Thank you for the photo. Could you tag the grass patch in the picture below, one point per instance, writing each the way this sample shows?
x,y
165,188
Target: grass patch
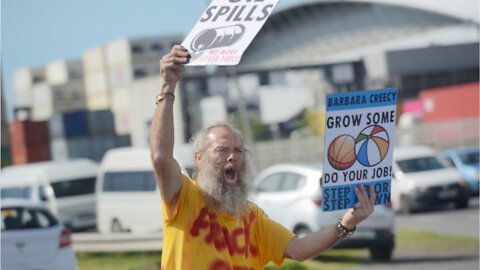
x,y
120,261
333,259
420,239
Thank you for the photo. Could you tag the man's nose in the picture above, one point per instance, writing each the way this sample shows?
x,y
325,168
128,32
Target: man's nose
x,y
231,157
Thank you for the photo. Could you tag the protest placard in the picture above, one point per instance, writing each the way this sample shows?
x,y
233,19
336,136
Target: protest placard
x,y
359,140
225,30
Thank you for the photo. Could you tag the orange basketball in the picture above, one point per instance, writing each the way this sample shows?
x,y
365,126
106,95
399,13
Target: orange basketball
x,y
341,152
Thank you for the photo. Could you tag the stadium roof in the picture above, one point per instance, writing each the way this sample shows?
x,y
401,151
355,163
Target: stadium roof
x,y
320,32
462,9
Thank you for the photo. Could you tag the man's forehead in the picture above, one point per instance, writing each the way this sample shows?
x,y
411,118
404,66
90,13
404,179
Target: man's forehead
x,y
221,135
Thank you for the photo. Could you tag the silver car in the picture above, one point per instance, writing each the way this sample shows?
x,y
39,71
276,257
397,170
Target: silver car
x,y
32,238
291,195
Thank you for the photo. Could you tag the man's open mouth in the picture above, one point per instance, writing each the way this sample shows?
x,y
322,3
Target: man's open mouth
x,y
230,176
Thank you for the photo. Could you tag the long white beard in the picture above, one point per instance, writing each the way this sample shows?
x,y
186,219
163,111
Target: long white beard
x,y
219,195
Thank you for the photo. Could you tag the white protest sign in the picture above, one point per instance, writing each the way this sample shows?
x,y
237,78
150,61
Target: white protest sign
x,y
359,139
225,30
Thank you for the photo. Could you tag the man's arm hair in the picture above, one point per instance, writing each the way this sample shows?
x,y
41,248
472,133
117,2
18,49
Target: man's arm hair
x,y
167,171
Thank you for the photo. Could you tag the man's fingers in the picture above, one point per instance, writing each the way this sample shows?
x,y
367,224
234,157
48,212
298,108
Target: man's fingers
x,y
372,195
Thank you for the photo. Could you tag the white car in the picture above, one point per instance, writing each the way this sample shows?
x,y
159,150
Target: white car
x,y
32,238
291,195
421,180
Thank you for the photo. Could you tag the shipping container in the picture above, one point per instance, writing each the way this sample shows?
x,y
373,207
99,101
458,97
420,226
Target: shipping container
x,y
78,147
96,82
145,69
75,124
26,134
118,52
23,98
24,154
142,107
55,125
99,145
122,122
121,75
156,47
62,71
123,141
59,149
42,94
26,77
42,102
98,101
100,122
120,99
94,61
451,102
69,97
22,113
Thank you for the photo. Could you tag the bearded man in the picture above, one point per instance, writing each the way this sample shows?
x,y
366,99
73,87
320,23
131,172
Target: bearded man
x,y
208,222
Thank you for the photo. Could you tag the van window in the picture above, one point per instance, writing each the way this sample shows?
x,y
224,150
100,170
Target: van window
x,y
74,187
16,192
136,181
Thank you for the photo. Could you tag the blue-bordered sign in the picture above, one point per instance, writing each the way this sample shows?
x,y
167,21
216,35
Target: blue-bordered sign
x,y
359,139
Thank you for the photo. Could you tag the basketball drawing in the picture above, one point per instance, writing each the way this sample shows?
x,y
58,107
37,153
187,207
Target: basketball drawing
x,y
371,145
341,152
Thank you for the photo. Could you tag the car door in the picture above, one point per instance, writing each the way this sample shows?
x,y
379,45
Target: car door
x,y
277,194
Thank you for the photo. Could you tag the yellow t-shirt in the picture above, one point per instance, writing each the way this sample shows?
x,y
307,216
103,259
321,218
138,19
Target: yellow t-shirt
x,y
198,237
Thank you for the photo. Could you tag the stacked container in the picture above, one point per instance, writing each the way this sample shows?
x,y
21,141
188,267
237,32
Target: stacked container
x,y
61,92
130,60
24,81
29,141
87,134
75,128
96,82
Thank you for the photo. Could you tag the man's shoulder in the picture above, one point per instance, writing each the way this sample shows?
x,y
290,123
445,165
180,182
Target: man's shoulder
x,y
255,208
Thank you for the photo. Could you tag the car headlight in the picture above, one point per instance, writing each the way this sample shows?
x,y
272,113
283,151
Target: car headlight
x,y
411,186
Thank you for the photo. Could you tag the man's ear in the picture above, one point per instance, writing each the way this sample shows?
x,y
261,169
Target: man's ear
x,y
197,156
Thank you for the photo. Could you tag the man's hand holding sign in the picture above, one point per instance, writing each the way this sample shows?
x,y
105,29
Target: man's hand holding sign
x,y
225,30
208,221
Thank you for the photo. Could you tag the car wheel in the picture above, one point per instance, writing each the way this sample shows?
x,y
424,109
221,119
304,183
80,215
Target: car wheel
x,y
116,226
381,252
302,231
405,207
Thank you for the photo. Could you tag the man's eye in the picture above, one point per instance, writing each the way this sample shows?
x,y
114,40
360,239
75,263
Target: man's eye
x,y
239,151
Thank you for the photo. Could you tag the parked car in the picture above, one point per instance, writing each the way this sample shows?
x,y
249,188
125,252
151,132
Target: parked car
x,y
66,187
291,195
32,238
467,163
421,180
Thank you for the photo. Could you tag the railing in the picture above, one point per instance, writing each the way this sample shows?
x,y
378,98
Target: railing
x,y
119,242
439,135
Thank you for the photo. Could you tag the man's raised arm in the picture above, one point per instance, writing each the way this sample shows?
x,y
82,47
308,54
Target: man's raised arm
x,y
167,171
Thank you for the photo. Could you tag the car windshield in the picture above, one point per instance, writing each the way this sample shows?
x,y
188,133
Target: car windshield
x,y
21,218
16,192
469,158
420,164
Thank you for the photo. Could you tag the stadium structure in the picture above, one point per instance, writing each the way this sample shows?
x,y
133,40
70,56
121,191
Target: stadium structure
x,y
311,48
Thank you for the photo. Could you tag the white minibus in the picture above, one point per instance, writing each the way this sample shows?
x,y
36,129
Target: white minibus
x,y
66,187
128,199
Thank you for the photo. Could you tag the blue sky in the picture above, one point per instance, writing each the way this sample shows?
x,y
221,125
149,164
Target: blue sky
x,y
38,32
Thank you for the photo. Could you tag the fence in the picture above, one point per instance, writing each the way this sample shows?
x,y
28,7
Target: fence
x,y
440,135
